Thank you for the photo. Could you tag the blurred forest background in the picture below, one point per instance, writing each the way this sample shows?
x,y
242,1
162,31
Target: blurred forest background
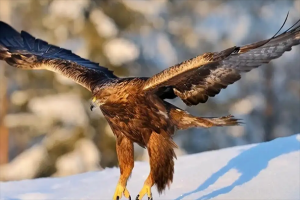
x,y
46,127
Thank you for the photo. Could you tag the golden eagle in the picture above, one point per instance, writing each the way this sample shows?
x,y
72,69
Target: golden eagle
x,y
135,108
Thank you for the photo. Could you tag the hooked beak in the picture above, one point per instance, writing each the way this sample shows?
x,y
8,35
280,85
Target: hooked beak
x,y
93,104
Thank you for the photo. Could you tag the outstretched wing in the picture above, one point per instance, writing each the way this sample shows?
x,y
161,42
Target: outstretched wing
x,y
23,51
204,76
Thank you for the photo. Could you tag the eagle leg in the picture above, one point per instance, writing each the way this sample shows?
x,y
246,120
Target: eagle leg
x,y
126,162
146,189
161,156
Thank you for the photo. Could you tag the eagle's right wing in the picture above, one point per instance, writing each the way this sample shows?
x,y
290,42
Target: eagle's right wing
x,y
199,78
23,51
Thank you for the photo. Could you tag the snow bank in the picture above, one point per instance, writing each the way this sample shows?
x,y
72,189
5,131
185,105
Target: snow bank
x,y
268,170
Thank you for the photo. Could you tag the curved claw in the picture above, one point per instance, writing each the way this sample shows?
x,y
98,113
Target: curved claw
x,y
137,197
145,190
120,191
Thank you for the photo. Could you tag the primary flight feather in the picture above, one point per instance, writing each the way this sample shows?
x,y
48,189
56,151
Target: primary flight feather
x,y
204,76
23,51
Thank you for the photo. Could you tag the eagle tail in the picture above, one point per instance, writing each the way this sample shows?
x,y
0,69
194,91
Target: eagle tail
x,y
183,120
208,122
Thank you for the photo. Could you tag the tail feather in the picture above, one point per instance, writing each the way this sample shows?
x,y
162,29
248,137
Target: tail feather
x,y
183,120
229,120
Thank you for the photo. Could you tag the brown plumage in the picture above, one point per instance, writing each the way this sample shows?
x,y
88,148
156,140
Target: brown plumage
x,y
135,108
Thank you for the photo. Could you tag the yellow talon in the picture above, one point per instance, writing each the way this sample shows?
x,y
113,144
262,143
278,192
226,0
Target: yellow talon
x,y
120,190
145,190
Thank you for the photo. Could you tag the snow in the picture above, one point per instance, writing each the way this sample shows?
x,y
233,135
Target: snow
x,y
268,170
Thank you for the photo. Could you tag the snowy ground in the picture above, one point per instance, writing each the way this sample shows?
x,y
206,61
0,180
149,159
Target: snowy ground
x,y
262,171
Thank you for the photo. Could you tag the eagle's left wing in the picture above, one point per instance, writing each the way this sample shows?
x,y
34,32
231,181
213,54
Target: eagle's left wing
x,y
23,51
204,76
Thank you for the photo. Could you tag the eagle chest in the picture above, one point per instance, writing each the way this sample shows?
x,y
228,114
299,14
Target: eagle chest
x,y
137,118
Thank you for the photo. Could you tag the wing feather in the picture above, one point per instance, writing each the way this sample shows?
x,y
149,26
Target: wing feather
x,y
23,51
195,82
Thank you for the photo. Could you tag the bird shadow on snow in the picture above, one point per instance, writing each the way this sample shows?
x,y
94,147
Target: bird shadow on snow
x,y
249,164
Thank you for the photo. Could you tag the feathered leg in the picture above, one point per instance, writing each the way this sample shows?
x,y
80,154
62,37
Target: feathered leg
x,y
161,156
126,163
